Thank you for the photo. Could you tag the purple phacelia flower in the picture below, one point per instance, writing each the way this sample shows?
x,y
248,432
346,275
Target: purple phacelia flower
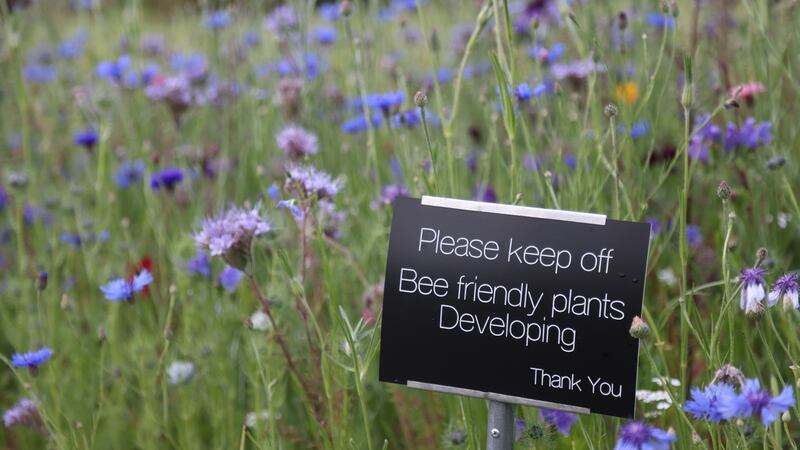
x,y
23,413
389,194
231,233
756,402
308,182
166,178
561,420
296,142
704,403
576,69
640,436
786,288
753,290
229,278
122,289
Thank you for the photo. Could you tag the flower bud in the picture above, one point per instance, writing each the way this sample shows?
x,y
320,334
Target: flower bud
x,y
639,328
761,255
622,20
420,99
345,8
610,110
724,190
786,417
41,281
776,162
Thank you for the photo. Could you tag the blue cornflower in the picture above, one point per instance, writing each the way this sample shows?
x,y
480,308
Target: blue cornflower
x,y
217,20
72,47
358,124
750,135
324,35
561,420
640,436
167,178
330,12
251,38
655,226
73,239
698,148
710,131
660,20
786,288
87,138
291,206
639,129
3,198
547,55
386,102
756,402
113,70
484,193
753,290
703,404
129,173
121,289
523,92
31,360
40,73
693,236
229,278
199,265
273,191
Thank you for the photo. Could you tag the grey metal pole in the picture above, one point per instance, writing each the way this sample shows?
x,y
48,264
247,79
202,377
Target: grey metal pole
x,y
500,428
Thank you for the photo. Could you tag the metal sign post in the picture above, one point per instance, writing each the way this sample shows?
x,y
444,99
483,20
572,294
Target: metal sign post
x,y
500,426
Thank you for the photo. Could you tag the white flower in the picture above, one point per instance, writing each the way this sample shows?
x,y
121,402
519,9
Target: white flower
x,y
260,321
180,372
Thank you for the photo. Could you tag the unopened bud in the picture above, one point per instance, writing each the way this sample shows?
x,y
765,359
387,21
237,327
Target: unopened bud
x,y
639,328
610,110
345,8
420,99
41,281
776,162
761,255
724,190
622,20
786,417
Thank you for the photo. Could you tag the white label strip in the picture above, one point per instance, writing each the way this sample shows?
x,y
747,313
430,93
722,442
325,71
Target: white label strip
x,y
496,397
513,210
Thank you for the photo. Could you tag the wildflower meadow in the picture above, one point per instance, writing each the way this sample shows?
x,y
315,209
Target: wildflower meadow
x,y
196,201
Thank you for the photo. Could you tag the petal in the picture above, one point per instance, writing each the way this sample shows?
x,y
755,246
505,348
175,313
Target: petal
x,y
141,280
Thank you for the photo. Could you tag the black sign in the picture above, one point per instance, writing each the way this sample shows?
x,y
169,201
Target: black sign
x,y
525,305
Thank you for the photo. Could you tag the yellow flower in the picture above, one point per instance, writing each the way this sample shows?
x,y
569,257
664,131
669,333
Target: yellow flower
x,y
627,92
